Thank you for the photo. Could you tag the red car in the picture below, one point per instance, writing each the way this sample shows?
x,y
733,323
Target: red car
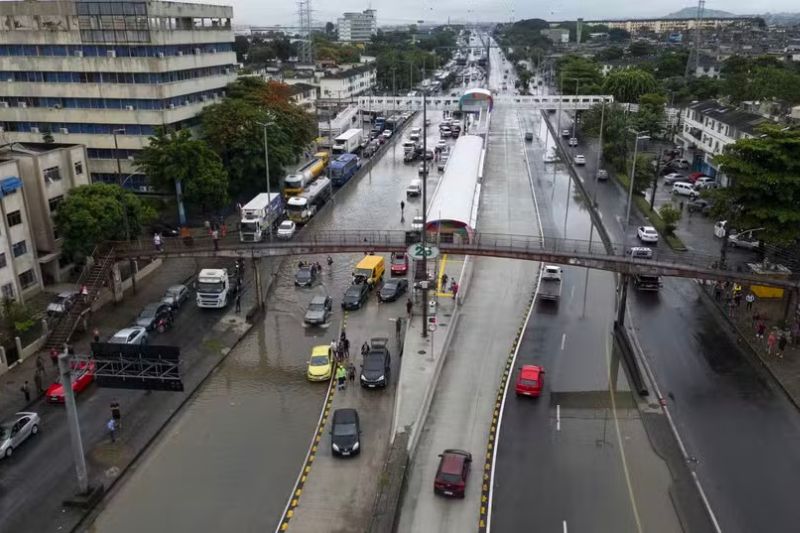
x,y
82,377
451,476
529,381
399,264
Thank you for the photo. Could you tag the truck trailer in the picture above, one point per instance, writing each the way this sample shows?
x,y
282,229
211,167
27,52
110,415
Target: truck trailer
x,y
259,216
294,184
348,142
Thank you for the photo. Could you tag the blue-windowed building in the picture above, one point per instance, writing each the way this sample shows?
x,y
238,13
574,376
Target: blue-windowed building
x,y
107,74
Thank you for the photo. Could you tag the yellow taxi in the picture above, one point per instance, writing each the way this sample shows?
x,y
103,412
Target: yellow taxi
x,y
320,366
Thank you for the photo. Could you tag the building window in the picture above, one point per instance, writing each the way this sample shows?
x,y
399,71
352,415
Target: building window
x,y
27,278
54,203
14,218
78,168
3,261
20,248
52,174
8,291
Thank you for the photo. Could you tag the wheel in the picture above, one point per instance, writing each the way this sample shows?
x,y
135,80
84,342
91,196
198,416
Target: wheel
x,y
35,429
9,451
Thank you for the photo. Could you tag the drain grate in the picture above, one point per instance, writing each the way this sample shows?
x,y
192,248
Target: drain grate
x,y
421,352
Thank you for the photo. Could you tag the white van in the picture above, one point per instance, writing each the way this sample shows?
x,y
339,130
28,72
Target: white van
x,y
684,188
409,145
415,133
414,188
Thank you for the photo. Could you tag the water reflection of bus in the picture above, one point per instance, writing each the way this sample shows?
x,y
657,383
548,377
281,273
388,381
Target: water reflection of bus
x,y
302,207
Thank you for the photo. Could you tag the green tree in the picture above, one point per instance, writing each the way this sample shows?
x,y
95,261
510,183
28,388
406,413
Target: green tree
x,y
241,45
92,214
609,54
645,173
627,85
672,63
16,318
618,35
765,184
640,48
176,158
330,29
579,74
670,215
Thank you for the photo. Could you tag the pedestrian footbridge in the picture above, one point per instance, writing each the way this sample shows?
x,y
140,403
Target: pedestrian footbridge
x,y
665,261
469,102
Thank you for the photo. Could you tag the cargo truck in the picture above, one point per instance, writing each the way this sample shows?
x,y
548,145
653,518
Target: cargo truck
x,y
259,216
550,287
347,143
294,184
302,207
213,288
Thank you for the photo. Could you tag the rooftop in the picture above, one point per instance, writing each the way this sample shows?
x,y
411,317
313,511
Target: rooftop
x,y
730,115
341,74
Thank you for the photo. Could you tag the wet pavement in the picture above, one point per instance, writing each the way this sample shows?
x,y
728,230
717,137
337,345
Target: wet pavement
x,y
585,434
734,419
252,422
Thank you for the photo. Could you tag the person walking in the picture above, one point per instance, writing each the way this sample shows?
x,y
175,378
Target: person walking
x,y
341,375
772,342
756,318
365,348
157,241
749,299
402,207
761,328
215,238
444,280
39,364
116,414
454,288
781,345
111,426
37,381
346,343
26,391
409,307
718,292
737,298
54,357
335,349
238,302
351,372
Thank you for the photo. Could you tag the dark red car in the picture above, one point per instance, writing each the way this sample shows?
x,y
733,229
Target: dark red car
x,y
451,476
82,377
529,381
399,264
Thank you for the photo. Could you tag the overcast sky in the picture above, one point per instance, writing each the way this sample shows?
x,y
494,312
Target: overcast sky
x,y
270,12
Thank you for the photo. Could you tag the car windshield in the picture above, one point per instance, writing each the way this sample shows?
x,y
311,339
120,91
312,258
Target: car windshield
x,y
353,292
374,362
119,339
303,273
206,286
344,430
528,382
58,300
316,306
450,478
5,432
398,260
286,224
319,360
149,311
363,272
389,286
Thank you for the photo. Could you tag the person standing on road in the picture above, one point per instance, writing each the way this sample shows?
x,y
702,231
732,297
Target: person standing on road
x,y
761,328
409,307
26,391
781,345
737,298
157,241
54,357
717,291
37,381
749,299
444,280
346,346
341,375
402,207
364,348
215,238
351,372
116,414
111,426
772,341
238,302
39,364
335,349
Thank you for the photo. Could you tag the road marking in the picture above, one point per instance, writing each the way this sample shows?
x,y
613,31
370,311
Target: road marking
x,y
563,340
564,523
619,440
558,417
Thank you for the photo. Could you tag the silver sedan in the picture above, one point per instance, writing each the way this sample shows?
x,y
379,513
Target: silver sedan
x,y
15,430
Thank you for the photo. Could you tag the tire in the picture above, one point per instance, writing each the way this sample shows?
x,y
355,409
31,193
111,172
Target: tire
x,y
35,429
9,451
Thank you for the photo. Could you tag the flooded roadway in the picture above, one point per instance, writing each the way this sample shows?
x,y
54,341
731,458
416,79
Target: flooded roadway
x,y
231,456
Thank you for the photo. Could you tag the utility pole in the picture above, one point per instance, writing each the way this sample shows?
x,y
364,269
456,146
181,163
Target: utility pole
x,y
424,209
65,372
125,222
266,172
599,152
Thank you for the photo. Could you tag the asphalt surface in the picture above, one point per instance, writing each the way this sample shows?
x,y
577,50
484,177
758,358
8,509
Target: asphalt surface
x,y
584,436
734,420
256,415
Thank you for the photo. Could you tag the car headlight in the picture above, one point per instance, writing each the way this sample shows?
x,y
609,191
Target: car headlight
x,y
355,446
381,378
335,447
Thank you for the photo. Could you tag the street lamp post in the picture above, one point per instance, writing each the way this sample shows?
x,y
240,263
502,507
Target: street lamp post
x,y
125,222
266,168
599,152
424,208
639,137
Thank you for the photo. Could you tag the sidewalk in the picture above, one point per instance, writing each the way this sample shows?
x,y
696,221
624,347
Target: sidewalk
x,y
786,369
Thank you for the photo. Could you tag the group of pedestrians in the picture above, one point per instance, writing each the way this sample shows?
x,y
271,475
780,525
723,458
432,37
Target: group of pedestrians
x,y
345,369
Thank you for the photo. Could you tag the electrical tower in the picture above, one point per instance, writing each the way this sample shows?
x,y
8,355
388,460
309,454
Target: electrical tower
x,y
701,5
305,45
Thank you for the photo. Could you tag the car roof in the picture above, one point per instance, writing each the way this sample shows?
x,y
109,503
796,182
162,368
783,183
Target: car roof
x,y
345,416
321,349
648,228
127,331
319,299
452,461
530,371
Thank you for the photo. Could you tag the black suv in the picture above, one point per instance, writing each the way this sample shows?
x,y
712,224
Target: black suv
x,y
153,313
305,276
345,433
355,296
377,364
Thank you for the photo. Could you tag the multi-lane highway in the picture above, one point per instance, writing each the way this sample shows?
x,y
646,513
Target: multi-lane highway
x,y
235,451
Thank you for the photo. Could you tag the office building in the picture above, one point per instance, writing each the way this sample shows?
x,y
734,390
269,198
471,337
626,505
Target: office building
x,y
358,27
48,172
107,74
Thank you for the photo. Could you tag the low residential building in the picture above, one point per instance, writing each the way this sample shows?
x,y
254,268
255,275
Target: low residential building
x,y
708,127
20,275
557,35
48,172
304,95
706,67
344,84
670,25
358,27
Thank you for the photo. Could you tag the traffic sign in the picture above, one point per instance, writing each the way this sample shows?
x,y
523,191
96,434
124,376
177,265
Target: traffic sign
x,y
417,251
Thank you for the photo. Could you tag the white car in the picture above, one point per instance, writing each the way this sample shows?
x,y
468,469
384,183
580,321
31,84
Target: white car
x,y
573,141
286,229
673,177
705,183
131,335
565,133
416,223
387,134
62,303
441,144
647,234
580,160
15,430
442,163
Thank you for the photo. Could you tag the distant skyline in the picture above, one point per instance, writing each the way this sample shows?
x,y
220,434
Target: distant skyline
x,y
272,12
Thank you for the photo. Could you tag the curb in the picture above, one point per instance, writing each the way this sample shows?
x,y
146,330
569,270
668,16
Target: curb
x,y
749,342
90,512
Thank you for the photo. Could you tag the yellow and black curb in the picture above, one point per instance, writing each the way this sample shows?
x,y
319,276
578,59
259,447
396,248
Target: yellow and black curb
x,y
297,491
488,464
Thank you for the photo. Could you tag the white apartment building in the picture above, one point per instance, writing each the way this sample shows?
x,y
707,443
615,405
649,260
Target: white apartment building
x,y
106,74
48,173
20,275
708,127
347,83
660,26
358,27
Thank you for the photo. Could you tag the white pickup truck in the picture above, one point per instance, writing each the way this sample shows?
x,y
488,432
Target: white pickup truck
x,y
550,287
